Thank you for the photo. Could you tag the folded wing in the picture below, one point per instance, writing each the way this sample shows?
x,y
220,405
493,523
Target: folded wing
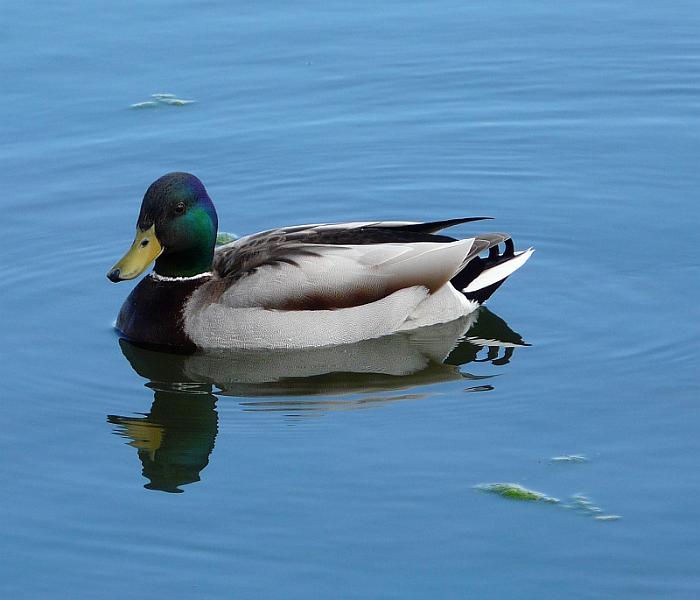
x,y
332,266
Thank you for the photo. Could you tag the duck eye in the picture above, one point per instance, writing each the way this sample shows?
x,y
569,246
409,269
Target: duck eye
x,y
180,208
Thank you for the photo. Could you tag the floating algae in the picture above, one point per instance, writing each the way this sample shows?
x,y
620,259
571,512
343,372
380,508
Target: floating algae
x,y
585,505
171,99
579,502
175,101
147,104
514,491
225,238
569,458
162,100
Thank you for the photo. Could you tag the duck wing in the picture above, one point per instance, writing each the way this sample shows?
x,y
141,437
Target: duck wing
x,y
283,245
341,265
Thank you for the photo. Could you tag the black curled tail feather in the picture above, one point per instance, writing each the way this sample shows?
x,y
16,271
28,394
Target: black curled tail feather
x,y
477,265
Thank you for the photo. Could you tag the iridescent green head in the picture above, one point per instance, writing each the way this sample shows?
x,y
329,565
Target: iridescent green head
x,y
176,228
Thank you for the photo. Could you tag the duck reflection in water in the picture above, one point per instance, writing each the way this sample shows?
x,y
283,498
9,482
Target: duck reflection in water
x,y
174,440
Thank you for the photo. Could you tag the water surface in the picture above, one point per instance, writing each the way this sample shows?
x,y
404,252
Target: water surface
x,y
574,124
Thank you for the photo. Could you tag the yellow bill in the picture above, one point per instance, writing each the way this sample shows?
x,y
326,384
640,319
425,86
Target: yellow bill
x,y
145,249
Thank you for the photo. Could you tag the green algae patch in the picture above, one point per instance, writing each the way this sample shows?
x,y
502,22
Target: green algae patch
x,y
514,491
579,503
225,238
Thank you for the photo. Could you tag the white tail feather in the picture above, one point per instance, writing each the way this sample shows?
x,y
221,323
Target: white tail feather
x,y
499,272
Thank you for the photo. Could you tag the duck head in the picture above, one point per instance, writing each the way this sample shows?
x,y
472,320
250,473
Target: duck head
x,y
176,227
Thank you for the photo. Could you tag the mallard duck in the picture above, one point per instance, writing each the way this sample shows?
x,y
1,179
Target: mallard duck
x,y
295,287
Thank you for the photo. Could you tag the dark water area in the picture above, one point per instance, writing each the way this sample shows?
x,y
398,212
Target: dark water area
x,y
352,473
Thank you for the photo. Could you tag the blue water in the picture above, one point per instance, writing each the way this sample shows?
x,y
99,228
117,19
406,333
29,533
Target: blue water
x,y
574,124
